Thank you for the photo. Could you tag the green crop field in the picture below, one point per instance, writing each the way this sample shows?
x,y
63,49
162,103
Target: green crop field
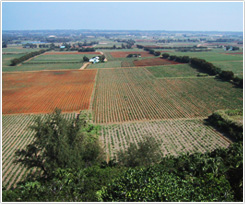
x,y
108,64
179,70
59,58
210,56
173,136
36,67
16,134
235,66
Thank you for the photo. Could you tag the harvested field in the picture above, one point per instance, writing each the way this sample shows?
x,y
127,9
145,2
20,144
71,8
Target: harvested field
x,y
173,136
153,62
72,53
43,91
126,53
16,135
132,94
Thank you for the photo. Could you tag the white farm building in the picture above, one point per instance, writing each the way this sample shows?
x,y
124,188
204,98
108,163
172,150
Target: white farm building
x,y
94,59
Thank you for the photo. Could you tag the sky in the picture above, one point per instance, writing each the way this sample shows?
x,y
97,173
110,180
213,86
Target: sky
x,y
171,16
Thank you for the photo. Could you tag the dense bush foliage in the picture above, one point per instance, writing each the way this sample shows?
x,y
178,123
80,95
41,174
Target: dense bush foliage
x,y
222,119
146,153
199,177
59,143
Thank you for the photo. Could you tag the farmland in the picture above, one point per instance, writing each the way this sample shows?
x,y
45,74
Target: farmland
x,y
42,92
16,134
174,136
153,62
180,70
129,98
132,94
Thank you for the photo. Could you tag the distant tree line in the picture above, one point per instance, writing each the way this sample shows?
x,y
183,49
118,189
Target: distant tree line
x,y
206,67
170,47
86,50
153,52
177,40
21,59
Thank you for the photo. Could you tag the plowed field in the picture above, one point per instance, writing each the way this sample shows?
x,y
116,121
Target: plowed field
x,y
153,62
42,92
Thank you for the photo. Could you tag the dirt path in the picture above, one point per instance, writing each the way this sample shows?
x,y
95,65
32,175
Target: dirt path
x,y
84,66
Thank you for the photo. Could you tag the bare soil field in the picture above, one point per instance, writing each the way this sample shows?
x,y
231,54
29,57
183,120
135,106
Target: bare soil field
x,y
153,62
42,92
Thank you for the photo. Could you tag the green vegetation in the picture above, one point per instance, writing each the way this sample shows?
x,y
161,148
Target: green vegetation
x,y
6,58
16,61
108,64
235,66
211,177
228,121
36,67
179,70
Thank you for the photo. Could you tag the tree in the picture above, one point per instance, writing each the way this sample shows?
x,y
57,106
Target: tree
x,y
59,143
157,53
85,59
147,152
226,75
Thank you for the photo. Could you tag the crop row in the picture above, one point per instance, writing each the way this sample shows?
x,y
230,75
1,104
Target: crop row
x,y
16,134
134,94
173,136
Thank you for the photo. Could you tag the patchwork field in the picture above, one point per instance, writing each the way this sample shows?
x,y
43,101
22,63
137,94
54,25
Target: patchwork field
x,y
133,94
16,134
173,136
153,62
42,92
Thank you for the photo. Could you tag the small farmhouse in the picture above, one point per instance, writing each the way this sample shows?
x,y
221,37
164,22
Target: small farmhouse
x,y
94,59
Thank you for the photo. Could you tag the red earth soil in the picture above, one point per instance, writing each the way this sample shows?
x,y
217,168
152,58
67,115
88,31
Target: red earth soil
x,y
42,92
153,62
124,54
67,53
234,53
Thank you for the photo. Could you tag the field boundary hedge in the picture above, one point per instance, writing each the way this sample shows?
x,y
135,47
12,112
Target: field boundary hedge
x,y
17,61
222,120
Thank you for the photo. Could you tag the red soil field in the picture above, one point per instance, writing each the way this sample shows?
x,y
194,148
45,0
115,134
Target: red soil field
x,y
42,92
124,54
67,53
234,53
153,61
